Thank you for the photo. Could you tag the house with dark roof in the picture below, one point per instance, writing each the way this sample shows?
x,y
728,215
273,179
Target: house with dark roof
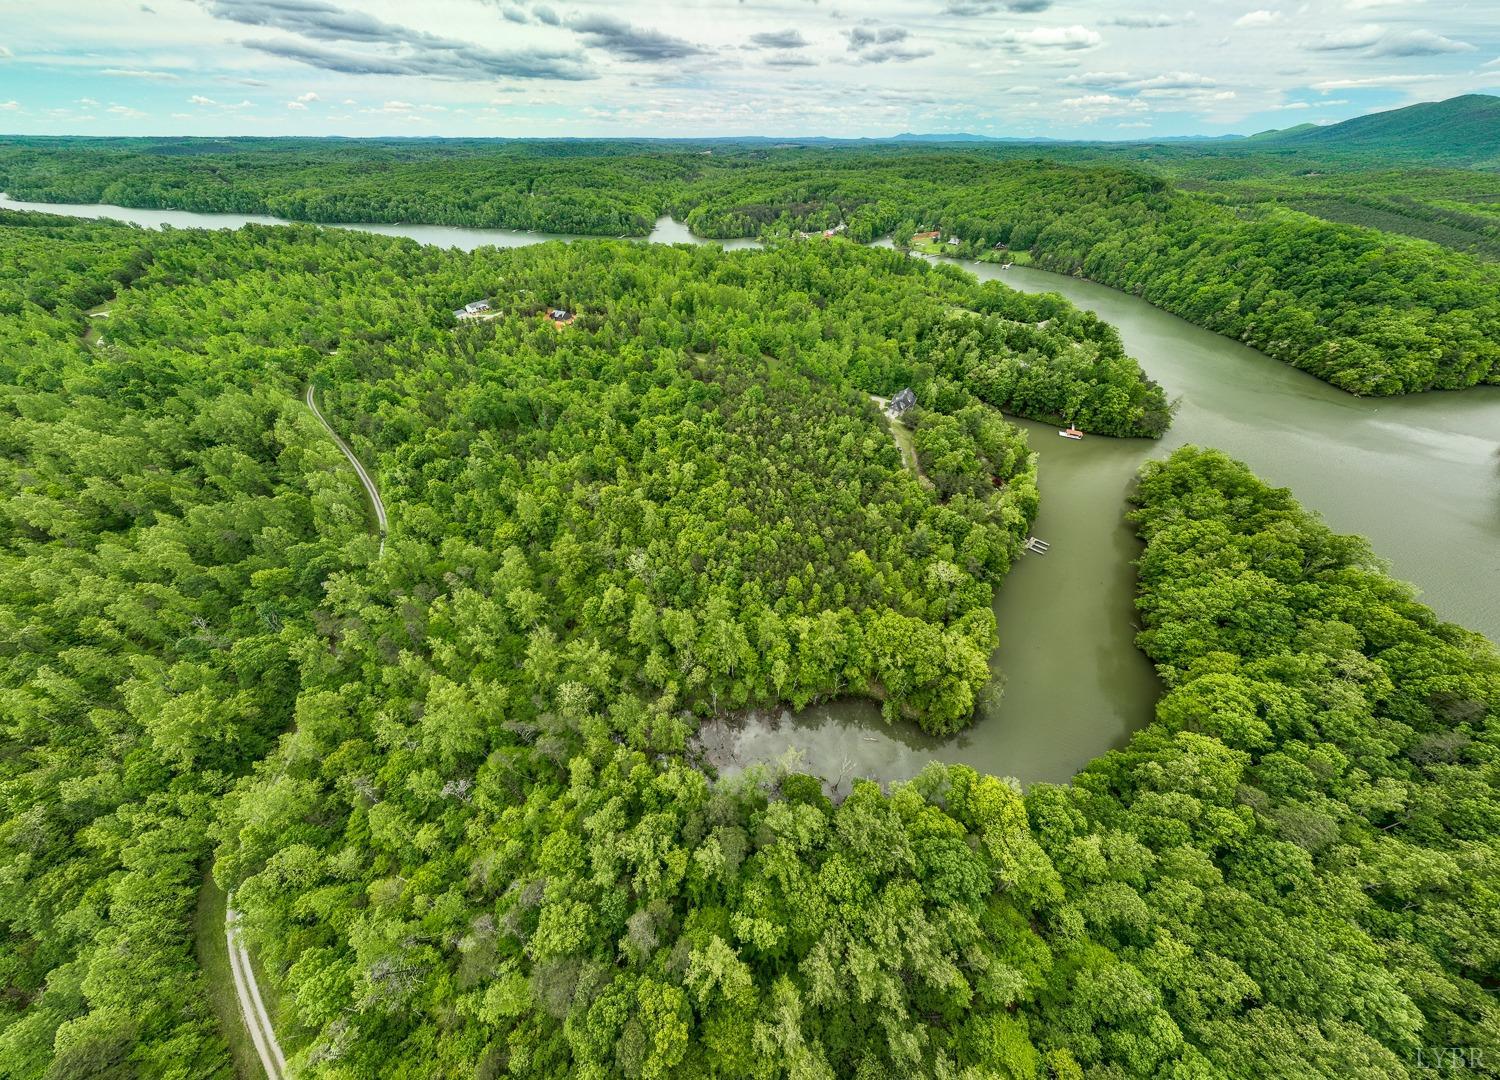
x,y
900,404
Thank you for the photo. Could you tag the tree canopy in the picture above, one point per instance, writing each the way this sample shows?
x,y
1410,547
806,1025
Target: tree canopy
x,y
449,784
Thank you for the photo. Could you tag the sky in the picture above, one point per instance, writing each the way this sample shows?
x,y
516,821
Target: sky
x,y
1096,69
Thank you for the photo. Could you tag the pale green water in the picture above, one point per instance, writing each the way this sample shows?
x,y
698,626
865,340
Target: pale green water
x,y
1420,476
667,231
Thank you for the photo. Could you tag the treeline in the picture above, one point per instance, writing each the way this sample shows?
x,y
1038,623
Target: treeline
x,y
1368,311
1456,208
522,186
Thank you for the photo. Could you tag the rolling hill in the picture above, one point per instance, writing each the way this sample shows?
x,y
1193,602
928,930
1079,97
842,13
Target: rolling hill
x,y
1462,131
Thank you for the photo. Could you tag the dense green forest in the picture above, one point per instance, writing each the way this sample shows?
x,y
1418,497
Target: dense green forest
x,y
1369,312
596,188
1278,877
685,501
447,783
1317,259
170,518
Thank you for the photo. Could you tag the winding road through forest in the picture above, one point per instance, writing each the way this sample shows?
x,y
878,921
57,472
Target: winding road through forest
x,y
246,986
364,477
252,1005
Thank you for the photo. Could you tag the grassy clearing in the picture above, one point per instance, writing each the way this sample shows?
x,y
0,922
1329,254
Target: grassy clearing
x,y
902,434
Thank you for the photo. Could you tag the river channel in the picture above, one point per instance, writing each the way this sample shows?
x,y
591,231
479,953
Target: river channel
x,y
1419,476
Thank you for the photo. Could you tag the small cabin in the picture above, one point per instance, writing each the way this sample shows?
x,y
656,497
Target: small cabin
x,y
954,241
560,315
900,404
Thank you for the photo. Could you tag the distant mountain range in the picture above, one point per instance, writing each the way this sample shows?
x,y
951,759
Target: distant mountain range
x,y
967,137
1460,131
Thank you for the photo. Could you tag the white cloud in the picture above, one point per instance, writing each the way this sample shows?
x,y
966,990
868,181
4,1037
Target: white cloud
x,y
1176,80
139,73
1143,21
1352,37
199,99
1053,37
1167,82
88,102
10,106
1093,106
1092,100
1254,19
309,96
1376,40
1419,43
126,112
5,54
296,105
1374,80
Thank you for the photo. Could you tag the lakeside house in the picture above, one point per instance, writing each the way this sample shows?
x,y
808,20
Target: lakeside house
x,y
954,241
900,404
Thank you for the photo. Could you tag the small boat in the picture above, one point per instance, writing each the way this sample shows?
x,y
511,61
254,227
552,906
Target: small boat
x,y
1071,433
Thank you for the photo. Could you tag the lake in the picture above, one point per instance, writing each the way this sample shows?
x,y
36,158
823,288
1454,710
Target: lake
x,y
1419,476
666,231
